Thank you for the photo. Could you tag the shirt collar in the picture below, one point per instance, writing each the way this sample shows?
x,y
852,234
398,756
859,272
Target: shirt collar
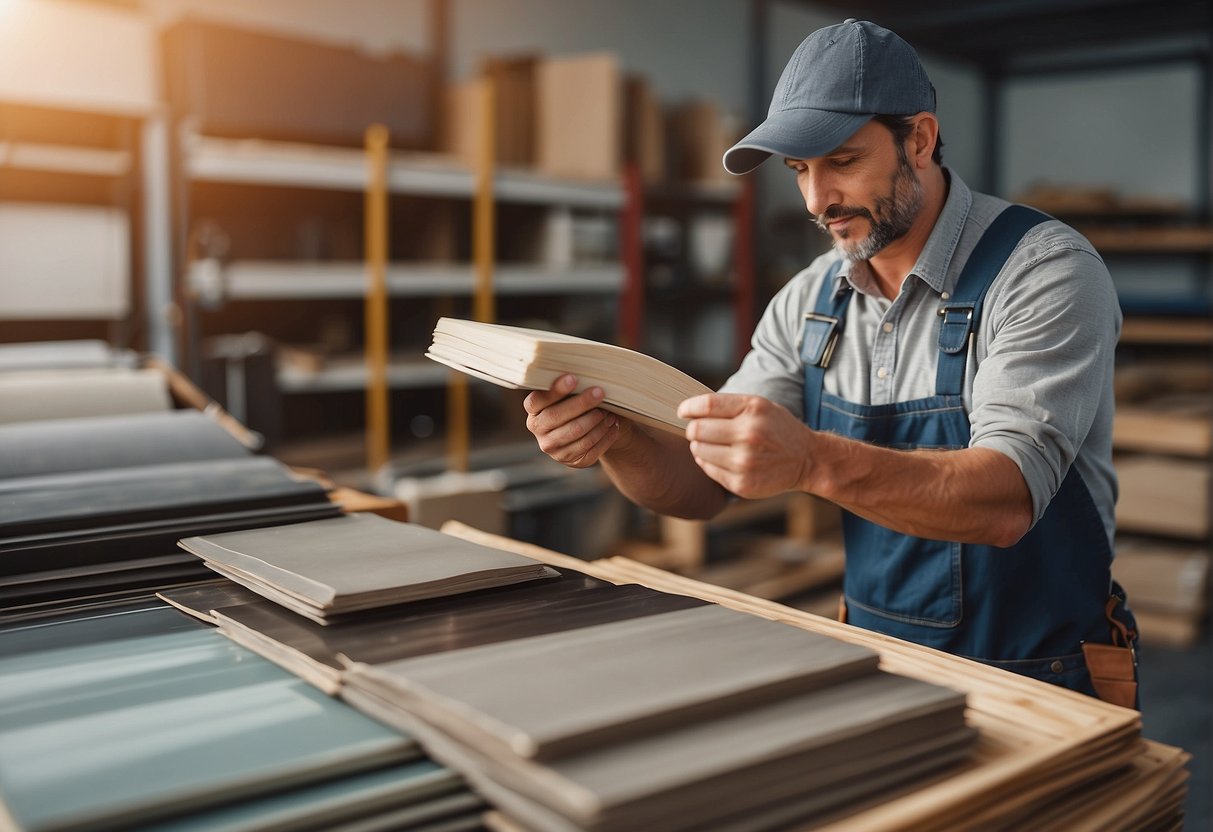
x,y
936,257
932,264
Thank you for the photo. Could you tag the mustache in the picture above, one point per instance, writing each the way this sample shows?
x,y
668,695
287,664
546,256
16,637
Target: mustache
x,y
839,212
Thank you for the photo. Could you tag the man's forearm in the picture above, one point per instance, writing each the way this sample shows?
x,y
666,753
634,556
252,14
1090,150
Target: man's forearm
x,y
974,495
656,470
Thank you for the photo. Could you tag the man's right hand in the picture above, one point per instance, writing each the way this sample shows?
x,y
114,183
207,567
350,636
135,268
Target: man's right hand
x,y
572,429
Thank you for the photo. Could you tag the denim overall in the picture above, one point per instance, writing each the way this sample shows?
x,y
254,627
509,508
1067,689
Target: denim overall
x,y
1026,608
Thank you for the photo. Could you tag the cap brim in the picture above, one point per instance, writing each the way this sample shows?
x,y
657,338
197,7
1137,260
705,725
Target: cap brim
x,y
793,134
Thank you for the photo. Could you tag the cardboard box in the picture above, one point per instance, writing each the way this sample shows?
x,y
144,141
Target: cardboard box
x,y
580,126
462,125
514,97
514,113
699,136
645,131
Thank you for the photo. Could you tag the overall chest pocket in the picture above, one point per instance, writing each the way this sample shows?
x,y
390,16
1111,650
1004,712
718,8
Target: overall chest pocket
x,y
891,575
900,578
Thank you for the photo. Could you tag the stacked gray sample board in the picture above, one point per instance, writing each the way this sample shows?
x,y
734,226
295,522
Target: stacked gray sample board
x,y
95,505
702,717
329,568
319,653
137,715
569,703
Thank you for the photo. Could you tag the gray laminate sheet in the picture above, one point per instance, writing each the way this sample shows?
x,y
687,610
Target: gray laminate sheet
x,y
423,787
81,629
73,583
358,562
70,394
555,694
62,355
319,653
31,449
70,548
112,734
88,499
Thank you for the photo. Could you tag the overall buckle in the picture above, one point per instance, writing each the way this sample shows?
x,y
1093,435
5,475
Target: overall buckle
x,y
956,326
818,339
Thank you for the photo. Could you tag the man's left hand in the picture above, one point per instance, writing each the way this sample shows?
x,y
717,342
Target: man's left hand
x,y
750,445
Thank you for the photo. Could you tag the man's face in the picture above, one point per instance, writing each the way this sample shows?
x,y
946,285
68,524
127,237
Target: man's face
x,y
864,193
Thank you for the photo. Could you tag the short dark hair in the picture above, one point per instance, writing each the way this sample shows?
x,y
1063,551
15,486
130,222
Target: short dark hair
x,y
900,127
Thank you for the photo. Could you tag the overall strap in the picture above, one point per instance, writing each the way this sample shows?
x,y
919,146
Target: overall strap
x,y
818,338
961,313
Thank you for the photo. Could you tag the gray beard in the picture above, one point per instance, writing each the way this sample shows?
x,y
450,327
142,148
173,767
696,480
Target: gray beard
x,y
896,214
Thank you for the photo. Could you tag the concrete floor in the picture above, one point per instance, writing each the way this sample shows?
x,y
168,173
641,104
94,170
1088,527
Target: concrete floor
x,y
1177,709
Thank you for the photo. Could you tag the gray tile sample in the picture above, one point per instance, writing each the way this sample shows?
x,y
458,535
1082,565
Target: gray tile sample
x,y
89,444
492,616
551,695
79,629
80,582
422,786
151,538
358,562
125,731
90,499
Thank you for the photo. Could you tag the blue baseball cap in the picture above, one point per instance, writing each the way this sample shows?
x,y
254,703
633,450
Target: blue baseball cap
x,y
838,78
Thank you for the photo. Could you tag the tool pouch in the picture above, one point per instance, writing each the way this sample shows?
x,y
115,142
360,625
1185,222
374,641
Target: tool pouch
x,y
1113,667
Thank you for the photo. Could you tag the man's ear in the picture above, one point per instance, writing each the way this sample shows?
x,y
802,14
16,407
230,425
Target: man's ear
x,y
922,140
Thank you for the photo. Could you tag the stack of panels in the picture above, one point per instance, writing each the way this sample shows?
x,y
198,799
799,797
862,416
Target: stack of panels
x,y
96,504
574,704
327,569
126,718
1046,758
691,718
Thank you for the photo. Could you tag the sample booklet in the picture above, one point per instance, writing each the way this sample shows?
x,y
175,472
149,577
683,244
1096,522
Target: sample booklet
x,y
636,385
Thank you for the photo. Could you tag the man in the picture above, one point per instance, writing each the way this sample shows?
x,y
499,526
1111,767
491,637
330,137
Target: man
x,y
944,375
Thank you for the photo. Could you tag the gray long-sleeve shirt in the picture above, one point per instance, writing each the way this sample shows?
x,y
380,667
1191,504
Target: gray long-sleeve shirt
x,y
1038,383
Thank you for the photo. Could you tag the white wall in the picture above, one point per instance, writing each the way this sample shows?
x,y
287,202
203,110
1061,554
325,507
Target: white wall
x,y
1135,129
959,99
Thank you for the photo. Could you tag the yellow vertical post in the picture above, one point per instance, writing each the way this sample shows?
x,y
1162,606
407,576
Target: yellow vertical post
x,y
483,255
376,310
